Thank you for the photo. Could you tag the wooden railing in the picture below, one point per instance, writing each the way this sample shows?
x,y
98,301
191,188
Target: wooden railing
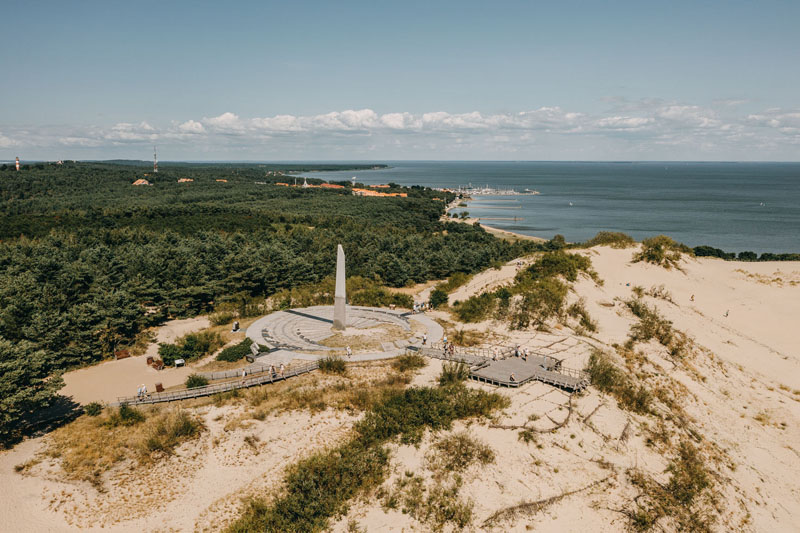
x,y
488,353
260,378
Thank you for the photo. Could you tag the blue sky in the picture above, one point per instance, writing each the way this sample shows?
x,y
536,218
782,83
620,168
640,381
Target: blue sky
x,y
402,80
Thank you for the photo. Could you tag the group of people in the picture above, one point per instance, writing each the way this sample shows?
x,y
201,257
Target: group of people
x,y
519,351
141,391
421,307
448,347
279,373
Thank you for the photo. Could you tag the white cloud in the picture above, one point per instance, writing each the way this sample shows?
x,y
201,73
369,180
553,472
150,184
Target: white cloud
x,y
643,129
191,126
226,121
6,142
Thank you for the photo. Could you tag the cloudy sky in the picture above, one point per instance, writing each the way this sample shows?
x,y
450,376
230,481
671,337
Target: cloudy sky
x,y
635,80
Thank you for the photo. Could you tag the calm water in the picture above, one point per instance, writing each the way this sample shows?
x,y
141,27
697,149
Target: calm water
x,y
719,204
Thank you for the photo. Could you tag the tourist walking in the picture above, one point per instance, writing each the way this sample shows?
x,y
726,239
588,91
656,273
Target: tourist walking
x,y
424,339
349,352
282,370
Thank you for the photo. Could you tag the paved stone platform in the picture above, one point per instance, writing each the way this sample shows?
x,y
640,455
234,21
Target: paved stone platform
x,y
297,333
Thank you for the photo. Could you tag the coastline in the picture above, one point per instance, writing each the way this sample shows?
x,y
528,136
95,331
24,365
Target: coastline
x,y
500,233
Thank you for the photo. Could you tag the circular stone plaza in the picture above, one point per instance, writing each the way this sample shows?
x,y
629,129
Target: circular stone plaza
x,y
308,334
364,333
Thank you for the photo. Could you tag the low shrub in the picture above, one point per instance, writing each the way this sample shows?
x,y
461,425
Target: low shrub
x,y
652,325
455,453
93,409
614,239
235,353
125,415
319,487
476,308
409,362
541,300
554,264
578,310
196,380
607,377
171,431
453,372
190,347
436,505
408,412
688,499
221,318
661,250
438,298
453,282
332,365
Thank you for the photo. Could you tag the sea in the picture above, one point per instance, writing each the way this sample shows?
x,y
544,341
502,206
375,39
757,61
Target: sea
x,y
729,205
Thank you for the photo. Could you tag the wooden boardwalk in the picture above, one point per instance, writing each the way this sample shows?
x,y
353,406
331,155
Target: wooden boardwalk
x,y
498,372
261,378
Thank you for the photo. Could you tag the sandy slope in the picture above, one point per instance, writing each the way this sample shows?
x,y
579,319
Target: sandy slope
x,y
732,392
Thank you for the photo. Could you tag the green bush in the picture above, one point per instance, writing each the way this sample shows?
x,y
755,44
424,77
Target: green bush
x,y
540,301
93,408
408,362
333,365
605,376
169,353
221,318
476,308
557,263
455,453
614,239
190,347
234,353
710,251
661,250
196,380
320,486
125,416
453,372
455,281
578,310
438,298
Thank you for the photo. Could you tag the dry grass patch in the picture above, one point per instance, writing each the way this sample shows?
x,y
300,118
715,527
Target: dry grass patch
x,y
370,339
90,446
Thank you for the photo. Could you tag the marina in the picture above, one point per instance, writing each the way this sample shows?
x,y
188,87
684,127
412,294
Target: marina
x,y
486,190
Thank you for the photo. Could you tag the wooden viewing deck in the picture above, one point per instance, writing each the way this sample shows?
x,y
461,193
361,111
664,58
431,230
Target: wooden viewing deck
x,y
261,378
498,372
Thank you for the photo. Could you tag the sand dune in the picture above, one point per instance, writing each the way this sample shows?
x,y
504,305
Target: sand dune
x,y
740,392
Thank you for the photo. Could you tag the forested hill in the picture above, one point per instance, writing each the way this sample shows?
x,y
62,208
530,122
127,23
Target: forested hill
x,y
87,260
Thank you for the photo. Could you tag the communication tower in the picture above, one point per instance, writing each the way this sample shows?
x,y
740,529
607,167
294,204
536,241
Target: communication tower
x,y
155,161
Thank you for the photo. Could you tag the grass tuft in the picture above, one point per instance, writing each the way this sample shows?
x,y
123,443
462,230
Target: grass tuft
x,y
453,372
408,362
333,365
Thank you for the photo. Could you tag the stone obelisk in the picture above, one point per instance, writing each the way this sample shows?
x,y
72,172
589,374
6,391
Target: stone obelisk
x,y
340,300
